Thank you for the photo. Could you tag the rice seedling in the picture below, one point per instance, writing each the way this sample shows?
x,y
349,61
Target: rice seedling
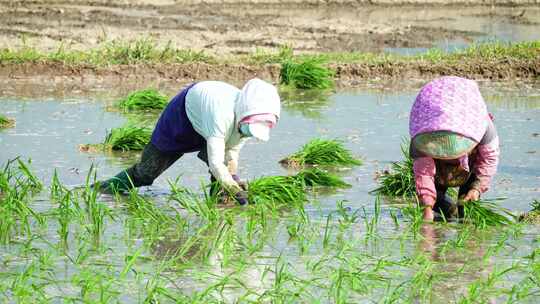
x,y
67,209
533,216
153,219
17,185
347,217
414,213
485,213
95,211
372,223
148,99
204,207
128,138
306,74
322,152
399,180
485,290
6,122
277,190
315,177
424,277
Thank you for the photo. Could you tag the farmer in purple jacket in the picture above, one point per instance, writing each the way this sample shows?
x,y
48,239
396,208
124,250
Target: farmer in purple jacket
x,y
212,118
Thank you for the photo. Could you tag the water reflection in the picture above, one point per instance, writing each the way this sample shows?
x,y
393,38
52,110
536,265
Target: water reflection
x,y
308,103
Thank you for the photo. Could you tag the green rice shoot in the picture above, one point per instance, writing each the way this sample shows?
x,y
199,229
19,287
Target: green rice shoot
x,y
282,190
315,177
148,99
6,122
128,138
399,180
306,74
485,213
322,152
291,189
533,216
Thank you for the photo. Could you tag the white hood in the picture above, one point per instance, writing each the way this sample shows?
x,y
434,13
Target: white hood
x,y
257,97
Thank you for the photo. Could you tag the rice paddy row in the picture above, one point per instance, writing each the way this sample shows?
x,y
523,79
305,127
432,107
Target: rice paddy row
x,y
398,182
187,249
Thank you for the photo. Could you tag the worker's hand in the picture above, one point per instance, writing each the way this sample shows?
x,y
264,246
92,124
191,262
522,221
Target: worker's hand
x,y
428,214
472,195
241,197
240,182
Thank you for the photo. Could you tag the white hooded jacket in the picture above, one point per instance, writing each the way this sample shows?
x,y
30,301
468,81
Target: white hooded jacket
x,y
215,108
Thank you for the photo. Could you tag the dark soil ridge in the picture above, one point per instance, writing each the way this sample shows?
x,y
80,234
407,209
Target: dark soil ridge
x,y
347,74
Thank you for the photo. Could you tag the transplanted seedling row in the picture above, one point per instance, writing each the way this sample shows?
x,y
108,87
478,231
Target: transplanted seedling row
x,y
137,249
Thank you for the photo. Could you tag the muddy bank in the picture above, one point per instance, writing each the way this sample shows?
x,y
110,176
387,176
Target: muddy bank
x,y
35,79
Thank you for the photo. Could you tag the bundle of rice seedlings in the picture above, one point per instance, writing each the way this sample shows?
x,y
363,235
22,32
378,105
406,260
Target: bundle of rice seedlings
x,y
313,177
148,99
483,213
399,180
322,152
306,74
6,122
128,138
533,216
277,189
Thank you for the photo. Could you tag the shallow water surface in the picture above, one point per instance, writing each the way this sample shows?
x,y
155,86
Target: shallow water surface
x,y
324,251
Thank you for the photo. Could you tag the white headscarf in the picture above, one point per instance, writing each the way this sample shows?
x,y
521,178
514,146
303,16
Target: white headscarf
x,y
257,97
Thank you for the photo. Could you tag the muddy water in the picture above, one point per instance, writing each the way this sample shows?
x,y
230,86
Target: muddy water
x,y
473,26
372,123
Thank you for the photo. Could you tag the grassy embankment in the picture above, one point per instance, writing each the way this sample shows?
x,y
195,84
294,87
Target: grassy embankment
x,y
491,59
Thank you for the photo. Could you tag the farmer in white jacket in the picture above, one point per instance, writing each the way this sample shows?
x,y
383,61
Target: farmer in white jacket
x,y
213,118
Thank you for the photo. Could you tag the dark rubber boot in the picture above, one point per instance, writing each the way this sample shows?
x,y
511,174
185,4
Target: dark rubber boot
x,y
118,183
446,208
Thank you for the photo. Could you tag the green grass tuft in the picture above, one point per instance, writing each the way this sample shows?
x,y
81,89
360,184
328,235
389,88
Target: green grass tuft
x,y
399,180
315,177
483,213
533,216
306,74
291,189
128,138
322,152
6,122
148,99
285,190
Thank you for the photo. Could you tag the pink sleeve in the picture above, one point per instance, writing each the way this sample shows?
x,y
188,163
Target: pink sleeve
x,y
424,177
486,162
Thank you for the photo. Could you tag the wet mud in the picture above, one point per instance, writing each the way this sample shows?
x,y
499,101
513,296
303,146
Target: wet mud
x,y
239,28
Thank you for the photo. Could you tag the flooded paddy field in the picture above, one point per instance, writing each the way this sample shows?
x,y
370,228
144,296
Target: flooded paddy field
x,y
343,246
